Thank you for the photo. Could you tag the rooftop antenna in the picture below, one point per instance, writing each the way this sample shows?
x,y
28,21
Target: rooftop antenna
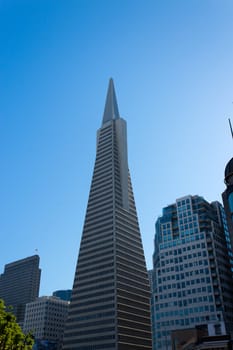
x,y
230,127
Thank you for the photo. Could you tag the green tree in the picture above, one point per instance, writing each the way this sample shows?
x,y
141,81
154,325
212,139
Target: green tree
x,y
11,335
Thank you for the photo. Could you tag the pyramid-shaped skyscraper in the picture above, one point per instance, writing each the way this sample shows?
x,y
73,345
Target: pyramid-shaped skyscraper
x,y
110,304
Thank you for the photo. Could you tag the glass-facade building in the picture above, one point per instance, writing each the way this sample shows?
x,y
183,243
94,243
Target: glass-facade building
x,y
19,284
192,282
63,294
227,197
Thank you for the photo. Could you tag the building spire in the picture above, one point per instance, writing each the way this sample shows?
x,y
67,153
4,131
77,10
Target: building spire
x,y
230,127
111,109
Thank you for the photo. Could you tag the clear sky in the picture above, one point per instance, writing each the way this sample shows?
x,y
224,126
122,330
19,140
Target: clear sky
x,y
172,65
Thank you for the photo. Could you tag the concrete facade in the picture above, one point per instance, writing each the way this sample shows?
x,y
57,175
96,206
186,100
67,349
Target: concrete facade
x,y
110,303
45,318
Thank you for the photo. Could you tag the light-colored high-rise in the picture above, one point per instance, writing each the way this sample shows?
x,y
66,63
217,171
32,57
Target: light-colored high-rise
x,y
110,303
192,283
45,319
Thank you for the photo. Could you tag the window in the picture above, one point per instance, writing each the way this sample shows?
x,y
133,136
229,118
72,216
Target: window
x,y
217,327
230,200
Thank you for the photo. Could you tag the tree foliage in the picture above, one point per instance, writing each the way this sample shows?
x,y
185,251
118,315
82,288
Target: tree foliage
x,y
11,335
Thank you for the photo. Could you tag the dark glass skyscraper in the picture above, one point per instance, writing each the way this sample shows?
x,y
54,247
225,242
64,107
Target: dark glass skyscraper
x,y
110,303
227,197
20,283
63,294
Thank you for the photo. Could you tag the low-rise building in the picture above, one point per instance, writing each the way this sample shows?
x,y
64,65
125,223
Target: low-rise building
x,y
45,318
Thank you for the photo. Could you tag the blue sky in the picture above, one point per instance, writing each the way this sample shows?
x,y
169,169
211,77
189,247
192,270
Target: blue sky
x,y
172,64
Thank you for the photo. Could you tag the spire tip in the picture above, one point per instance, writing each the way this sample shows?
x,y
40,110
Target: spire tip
x,y
111,109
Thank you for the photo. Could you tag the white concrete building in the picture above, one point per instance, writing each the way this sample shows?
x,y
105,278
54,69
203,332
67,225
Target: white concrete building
x,y
45,318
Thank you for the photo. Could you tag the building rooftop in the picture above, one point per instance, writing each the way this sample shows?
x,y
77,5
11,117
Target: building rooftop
x,y
229,170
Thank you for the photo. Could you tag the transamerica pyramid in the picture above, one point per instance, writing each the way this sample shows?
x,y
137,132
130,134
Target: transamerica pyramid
x,y
110,303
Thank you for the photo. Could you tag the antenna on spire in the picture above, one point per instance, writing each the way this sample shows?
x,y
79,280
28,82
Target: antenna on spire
x,y
230,127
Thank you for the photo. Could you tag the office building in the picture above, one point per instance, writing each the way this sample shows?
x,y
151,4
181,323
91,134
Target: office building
x,y
63,294
227,197
45,318
192,283
19,284
200,338
110,302
150,276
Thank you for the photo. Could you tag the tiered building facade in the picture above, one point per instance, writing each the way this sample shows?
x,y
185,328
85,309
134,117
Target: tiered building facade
x,y
110,303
